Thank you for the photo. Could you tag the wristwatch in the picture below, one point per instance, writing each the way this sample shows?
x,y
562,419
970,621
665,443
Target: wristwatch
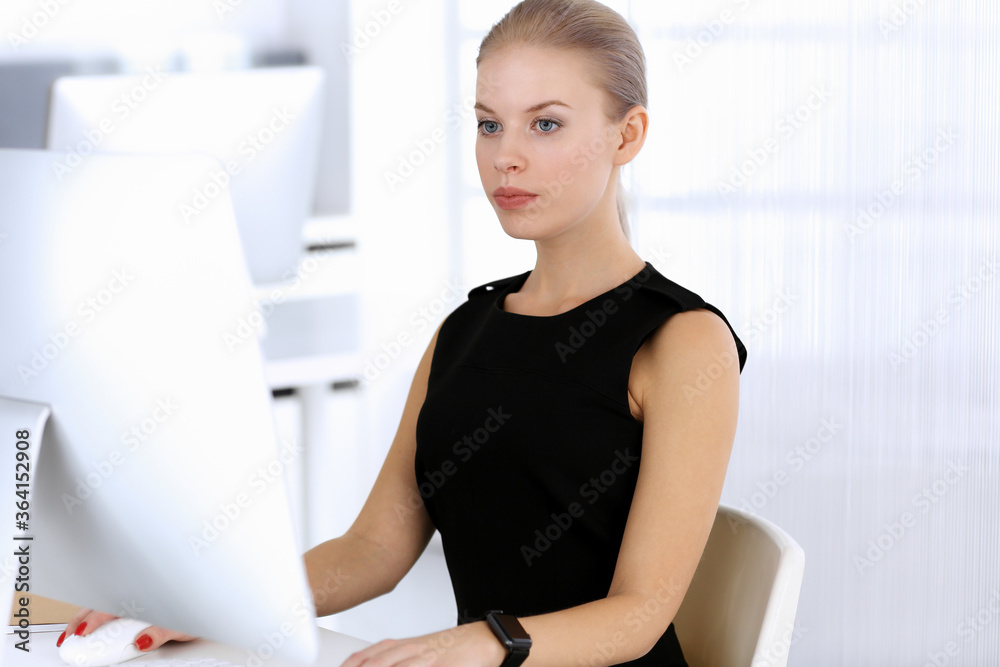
x,y
511,634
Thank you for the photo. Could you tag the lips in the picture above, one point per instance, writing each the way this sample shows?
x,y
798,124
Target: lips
x,y
512,192
513,198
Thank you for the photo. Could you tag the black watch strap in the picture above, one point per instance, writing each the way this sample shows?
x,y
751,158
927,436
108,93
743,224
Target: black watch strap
x,y
511,634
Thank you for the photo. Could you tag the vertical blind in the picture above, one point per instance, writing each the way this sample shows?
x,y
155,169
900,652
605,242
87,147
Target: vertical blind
x,y
827,174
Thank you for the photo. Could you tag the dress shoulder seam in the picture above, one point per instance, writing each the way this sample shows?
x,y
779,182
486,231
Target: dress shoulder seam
x,y
493,285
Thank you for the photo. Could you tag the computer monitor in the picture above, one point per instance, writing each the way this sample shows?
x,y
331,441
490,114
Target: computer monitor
x,y
263,125
158,487
25,86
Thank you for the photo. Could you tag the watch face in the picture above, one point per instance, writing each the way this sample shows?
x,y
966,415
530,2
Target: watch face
x,y
516,635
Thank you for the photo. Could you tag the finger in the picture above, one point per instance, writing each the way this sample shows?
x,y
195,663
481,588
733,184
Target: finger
x,y
73,622
154,637
83,623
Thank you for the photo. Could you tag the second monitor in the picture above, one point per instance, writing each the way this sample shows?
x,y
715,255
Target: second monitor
x,y
263,126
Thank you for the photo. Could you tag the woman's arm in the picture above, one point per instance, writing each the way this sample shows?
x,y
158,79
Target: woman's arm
x,y
688,432
392,528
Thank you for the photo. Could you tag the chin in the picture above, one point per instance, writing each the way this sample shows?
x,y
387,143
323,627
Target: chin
x,y
526,227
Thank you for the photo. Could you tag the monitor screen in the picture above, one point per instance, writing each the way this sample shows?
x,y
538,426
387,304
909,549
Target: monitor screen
x,y
263,126
159,485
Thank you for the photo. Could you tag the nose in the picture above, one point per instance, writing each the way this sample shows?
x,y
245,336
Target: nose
x,y
509,156
505,164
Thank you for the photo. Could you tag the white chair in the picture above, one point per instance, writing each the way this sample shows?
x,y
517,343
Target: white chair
x,y
740,608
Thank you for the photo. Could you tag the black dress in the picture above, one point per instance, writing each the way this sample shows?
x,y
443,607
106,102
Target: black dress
x,y
527,454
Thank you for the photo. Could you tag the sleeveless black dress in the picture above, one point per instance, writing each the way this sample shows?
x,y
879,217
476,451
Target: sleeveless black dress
x,y
527,454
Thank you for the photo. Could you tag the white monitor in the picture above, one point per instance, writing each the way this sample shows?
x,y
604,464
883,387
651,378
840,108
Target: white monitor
x,y
158,486
263,125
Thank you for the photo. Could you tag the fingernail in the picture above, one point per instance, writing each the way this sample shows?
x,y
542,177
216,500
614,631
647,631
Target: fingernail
x,y
144,642
80,628
60,640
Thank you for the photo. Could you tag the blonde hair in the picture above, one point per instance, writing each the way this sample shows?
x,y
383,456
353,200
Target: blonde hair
x,y
599,33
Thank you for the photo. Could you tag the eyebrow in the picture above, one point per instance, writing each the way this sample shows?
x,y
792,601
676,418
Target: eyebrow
x,y
531,109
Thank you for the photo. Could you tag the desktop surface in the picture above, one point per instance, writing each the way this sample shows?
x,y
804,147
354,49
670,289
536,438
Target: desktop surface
x,y
334,648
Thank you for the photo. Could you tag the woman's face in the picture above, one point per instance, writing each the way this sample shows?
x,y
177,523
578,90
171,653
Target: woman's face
x,y
562,153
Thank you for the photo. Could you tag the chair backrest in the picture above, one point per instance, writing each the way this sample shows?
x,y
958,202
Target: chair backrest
x,y
739,610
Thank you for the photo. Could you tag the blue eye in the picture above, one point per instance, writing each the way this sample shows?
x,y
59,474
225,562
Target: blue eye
x,y
490,127
484,123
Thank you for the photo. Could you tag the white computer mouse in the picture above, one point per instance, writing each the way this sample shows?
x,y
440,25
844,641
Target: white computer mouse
x,y
109,644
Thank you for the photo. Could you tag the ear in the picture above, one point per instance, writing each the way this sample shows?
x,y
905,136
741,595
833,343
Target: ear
x,y
631,134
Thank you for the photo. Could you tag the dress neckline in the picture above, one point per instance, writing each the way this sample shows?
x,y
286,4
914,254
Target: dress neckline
x,y
516,284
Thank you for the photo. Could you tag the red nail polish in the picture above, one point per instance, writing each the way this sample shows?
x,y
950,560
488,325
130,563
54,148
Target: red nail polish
x,y
80,628
144,642
60,640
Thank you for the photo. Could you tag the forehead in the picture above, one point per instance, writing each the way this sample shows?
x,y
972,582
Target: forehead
x,y
515,78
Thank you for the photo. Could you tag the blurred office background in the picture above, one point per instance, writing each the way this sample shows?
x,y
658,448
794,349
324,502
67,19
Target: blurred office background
x,y
825,173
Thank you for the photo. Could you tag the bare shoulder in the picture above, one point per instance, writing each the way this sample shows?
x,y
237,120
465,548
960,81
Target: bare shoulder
x,y
691,344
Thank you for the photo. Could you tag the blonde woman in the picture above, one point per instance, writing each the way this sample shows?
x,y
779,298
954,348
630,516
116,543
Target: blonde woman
x,y
568,429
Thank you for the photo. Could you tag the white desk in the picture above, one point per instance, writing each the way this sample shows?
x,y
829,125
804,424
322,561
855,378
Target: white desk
x,y
333,650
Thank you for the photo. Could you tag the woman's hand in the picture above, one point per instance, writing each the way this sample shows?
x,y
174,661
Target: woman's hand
x,y
468,645
87,620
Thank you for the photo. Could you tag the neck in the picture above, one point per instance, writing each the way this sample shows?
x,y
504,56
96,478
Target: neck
x,y
587,259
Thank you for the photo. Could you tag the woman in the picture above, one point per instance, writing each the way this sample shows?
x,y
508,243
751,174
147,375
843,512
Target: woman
x,y
568,429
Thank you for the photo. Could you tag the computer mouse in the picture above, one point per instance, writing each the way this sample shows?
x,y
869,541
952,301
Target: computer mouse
x,y
109,644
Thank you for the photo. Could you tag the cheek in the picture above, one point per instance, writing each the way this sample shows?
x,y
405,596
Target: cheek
x,y
482,160
584,167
